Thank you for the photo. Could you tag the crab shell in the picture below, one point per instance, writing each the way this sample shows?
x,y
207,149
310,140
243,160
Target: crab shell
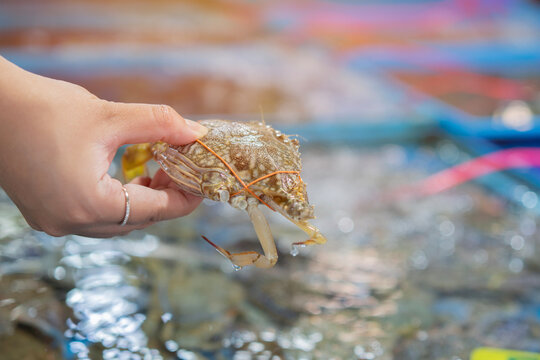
x,y
252,150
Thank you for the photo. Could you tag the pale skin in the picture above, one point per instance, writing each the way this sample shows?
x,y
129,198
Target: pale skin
x,y
57,141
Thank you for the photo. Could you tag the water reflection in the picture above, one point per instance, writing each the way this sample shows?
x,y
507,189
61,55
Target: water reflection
x,y
107,297
408,279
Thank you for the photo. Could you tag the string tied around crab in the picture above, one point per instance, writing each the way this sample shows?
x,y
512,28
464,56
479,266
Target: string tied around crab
x,y
244,185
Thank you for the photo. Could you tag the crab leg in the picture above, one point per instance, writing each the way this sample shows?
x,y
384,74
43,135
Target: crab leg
x,y
263,232
265,237
181,177
315,236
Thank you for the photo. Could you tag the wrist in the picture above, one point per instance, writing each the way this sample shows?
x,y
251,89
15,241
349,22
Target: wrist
x,y
19,92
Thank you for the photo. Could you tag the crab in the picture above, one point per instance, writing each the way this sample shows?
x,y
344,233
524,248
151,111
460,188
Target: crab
x,y
245,164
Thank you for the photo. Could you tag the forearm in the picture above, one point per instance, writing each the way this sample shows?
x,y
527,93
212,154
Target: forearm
x,y
21,99
15,84
19,94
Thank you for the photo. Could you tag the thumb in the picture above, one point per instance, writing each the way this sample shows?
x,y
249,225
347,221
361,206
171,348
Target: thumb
x,y
139,123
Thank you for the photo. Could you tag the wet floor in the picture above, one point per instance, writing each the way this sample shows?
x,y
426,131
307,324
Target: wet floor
x,y
422,278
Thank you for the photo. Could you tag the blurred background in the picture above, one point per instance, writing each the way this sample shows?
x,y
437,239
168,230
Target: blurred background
x,y
384,95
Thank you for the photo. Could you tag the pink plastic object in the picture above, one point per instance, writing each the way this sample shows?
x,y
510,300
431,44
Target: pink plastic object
x,y
496,161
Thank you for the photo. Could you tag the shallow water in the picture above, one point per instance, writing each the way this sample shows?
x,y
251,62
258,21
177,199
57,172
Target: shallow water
x,y
424,278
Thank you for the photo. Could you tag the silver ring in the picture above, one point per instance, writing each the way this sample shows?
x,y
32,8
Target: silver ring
x,y
128,207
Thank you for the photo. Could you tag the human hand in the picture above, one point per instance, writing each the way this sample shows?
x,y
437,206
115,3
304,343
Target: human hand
x,y
57,141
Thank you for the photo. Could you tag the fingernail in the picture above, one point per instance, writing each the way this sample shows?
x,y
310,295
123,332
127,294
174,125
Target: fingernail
x,y
197,128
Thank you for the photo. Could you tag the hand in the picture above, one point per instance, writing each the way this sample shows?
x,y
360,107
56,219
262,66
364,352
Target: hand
x,y
57,141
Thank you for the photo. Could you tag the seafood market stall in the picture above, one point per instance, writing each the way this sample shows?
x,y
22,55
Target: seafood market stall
x,y
418,123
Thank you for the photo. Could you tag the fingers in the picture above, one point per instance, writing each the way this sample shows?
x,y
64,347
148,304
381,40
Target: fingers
x,y
140,123
107,231
147,205
160,180
142,180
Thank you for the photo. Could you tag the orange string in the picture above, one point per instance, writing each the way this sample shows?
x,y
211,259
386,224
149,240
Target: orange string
x,y
233,172
218,248
267,176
